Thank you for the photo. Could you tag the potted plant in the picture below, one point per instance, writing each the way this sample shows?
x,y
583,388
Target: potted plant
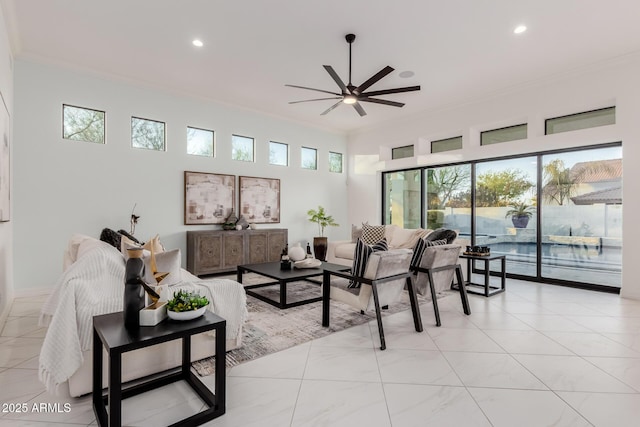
x,y
520,214
323,220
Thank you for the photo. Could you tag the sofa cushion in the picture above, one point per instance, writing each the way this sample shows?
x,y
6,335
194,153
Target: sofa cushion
x,y
442,233
345,250
371,234
361,257
166,262
356,233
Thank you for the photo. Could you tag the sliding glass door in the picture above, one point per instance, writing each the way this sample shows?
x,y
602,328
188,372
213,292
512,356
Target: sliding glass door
x,y
506,211
581,219
402,201
448,196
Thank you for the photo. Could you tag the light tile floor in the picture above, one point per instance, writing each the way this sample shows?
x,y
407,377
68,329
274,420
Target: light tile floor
x,y
537,355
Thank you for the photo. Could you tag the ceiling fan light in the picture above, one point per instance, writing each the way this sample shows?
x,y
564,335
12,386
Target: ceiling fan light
x,y
350,99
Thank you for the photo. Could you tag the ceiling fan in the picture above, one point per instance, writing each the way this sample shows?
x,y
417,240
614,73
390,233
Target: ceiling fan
x,y
353,95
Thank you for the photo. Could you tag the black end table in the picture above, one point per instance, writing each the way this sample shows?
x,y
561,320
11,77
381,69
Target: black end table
x,y
109,331
487,290
283,277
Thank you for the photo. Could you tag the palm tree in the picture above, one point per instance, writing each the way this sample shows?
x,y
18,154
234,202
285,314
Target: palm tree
x,y
561,182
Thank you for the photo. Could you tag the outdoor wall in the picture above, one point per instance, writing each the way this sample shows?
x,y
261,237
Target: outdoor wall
x,y
598,86
6,228
64,187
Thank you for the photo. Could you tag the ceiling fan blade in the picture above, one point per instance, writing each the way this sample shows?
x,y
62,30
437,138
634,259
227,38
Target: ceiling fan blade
x,y
359,109
382,101
336,78
330,108
373,79
317,90
390,91
317,99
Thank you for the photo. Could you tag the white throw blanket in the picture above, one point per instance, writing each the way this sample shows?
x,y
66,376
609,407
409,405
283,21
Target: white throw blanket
x,y
94,285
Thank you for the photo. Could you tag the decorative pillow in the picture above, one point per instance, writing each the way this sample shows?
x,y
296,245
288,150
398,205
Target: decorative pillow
x,y
155,244
361,257
418,251
126,243
442,233
356,233
437,242
111,237
371,234
166,262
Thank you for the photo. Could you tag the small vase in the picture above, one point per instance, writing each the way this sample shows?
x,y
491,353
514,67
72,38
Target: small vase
x,y
133,291
296,253
320,248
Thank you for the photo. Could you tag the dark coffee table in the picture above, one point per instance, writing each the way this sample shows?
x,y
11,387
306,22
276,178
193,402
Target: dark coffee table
x,y
283,277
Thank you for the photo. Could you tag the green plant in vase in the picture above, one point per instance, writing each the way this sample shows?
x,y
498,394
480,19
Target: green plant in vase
x,y
323,219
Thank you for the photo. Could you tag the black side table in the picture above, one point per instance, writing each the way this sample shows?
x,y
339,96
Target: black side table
x,y
487,290
109,331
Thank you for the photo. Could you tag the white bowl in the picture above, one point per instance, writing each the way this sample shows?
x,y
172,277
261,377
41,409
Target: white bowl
x,y
186,315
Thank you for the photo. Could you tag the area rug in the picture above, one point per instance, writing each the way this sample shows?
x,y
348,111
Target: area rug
x,y
270,329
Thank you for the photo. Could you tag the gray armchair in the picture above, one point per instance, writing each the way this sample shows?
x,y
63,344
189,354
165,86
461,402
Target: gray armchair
x,y
436,272
383,283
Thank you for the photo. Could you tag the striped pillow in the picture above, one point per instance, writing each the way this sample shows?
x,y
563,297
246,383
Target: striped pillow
x,y
361,257
418,251
437,242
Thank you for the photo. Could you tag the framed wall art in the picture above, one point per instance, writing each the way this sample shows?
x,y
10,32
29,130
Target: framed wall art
x,y
208,197
5,162
260,199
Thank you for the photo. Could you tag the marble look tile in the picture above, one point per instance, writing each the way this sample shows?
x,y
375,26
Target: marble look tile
x,y
402,337
335,363
498,320
48,408
357,336
571,309
571,373
289,363
526,342
425,405
162,406
524,408
625,369
605,409
551,322
19,326
630,340
591,344
449,339
18,350
25,308
616,310
38,333
339,403
518,307
19,385
449,318
492,370
415,367
608,323
257,402
32,363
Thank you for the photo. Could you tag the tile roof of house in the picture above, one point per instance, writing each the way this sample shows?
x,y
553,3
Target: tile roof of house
x,y
609,196
603,170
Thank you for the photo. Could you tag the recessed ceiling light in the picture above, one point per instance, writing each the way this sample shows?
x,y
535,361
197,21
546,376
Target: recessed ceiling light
x,y
520,29
197,43
406,74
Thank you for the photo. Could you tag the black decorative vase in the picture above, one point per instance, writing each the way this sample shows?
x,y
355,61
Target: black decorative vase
x,y
133,290
320,248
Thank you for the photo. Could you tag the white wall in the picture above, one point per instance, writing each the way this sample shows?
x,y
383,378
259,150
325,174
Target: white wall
x,y
63,187
613,83
6,228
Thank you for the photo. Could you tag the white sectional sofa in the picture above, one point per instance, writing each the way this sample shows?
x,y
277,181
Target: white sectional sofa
x,y
93,284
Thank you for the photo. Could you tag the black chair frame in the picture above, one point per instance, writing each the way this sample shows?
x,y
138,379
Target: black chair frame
x,y
461,287
413,298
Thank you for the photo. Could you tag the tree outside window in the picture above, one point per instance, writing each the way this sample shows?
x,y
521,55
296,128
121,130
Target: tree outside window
x,y
200,142
309,158
147,134
83,124
335,162
278,153
242,148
